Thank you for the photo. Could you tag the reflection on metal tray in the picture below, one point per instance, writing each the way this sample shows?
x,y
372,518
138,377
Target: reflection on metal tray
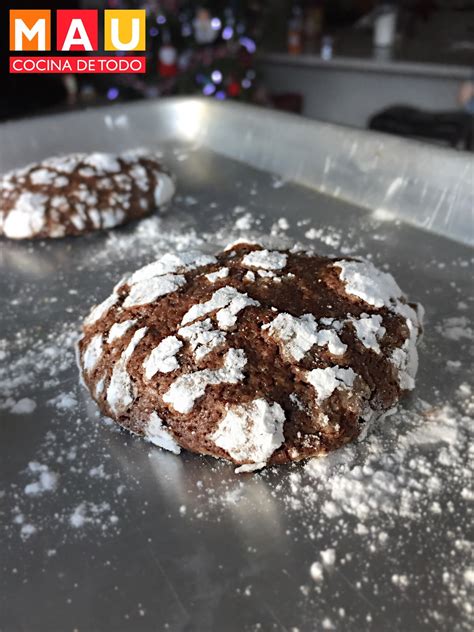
x,y
104,532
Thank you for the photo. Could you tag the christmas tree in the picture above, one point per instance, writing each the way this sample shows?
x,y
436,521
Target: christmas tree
x,y
203,48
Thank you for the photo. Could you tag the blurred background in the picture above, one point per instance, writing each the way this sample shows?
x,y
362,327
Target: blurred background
x,y
402,67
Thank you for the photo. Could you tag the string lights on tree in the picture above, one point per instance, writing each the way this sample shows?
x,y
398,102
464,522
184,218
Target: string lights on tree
x,y
207,48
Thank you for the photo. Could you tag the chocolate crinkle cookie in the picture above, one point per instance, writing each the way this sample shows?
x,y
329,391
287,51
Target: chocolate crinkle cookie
x,y
79,193
255,356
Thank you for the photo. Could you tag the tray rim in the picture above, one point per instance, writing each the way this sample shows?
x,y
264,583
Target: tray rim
x,y
426,186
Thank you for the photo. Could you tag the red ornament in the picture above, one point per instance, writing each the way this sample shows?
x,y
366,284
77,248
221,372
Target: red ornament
x,y
233,89
168,62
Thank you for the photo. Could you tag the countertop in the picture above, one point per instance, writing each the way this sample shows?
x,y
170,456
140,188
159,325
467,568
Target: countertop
x,y
442,47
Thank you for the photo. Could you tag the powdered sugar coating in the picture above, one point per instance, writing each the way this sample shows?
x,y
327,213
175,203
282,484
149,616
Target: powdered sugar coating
x,y
250,433
364,280
403,362
157,434
162,359
202,337
405,359
119,329
227,316
43,176
298,335
119,391
101,310
92,353
27,216
184,391
226,301
266,274
149,290
222,273
171,264
265,260
164,190
104,163
369,330
329,338
326,381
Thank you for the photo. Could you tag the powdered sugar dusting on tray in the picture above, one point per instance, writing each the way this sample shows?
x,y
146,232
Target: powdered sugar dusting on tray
x,y
381,505
48,363
46,480
23,406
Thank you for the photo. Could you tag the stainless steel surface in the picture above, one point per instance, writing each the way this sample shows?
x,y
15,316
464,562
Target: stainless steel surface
x,y
195,547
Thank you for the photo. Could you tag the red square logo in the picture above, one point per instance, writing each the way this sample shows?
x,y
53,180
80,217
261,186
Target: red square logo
x,y
77,30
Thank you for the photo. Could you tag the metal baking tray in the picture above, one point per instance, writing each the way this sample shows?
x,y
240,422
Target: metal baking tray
x,y
119,535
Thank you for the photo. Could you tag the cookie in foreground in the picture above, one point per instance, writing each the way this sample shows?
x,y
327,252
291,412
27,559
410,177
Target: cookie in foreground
x,y
80,193
258,357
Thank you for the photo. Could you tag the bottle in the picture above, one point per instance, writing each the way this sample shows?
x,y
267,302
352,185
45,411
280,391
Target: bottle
x,y
385,28
313,26
205,31
295,30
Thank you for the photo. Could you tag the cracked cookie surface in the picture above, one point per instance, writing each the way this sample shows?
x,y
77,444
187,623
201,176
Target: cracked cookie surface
x,y
255,356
